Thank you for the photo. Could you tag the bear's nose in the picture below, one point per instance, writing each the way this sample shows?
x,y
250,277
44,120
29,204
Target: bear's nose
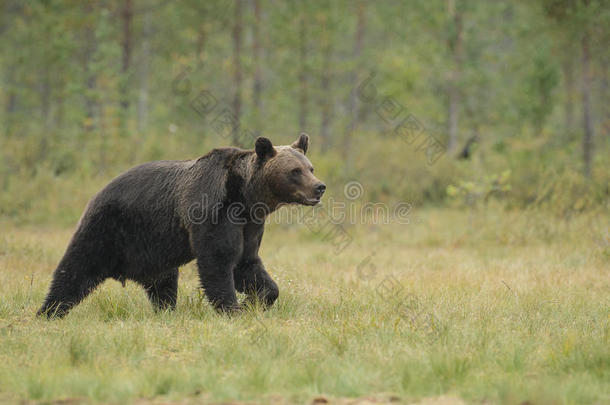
x,y
320,189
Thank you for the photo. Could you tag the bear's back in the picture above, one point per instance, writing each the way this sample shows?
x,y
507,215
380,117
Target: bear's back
x,y
146,185
167,189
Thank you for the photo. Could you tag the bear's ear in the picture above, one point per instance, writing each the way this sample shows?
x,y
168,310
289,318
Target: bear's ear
x,y
302,143
264,148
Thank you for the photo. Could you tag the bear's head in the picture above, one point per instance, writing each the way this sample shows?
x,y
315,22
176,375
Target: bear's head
x,y
286,173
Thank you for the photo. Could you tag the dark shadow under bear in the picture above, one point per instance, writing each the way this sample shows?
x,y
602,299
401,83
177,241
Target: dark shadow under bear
x,y
160,215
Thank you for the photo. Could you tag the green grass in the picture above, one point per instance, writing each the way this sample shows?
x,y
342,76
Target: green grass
x,y
489,306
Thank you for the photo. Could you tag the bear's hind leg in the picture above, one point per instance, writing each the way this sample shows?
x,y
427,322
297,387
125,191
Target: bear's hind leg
x,y
163,292
69,287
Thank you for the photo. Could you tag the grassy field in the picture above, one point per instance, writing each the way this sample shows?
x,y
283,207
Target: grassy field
x,y
475,307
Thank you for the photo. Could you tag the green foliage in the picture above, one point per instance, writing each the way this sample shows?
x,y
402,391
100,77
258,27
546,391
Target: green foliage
x,y
64,130
491,186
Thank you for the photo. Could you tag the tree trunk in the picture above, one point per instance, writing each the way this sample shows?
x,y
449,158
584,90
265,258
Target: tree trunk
x,y
90,103
59,117
11,104
45,101
200,45
327,94
357,54
237,28
303,97
257,86
89,75
568,72
586,103
605,99
454,44
201,37
144,73
126,45
126,16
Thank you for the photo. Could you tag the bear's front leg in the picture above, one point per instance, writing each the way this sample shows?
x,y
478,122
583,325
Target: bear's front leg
x,y
252,278
218,248
250,274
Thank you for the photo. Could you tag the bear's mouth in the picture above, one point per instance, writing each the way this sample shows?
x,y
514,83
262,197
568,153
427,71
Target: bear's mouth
x,y
311,201
302,199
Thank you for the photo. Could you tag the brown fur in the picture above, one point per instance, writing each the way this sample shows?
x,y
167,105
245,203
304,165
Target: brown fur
x,y
142,226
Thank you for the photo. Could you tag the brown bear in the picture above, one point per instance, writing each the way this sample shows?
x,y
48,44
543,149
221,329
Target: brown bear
x,y
158,216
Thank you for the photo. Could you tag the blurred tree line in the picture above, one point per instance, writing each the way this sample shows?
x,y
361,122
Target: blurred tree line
x,y
89,88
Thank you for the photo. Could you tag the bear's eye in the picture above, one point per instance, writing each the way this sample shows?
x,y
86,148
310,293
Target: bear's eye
x,y
295,172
